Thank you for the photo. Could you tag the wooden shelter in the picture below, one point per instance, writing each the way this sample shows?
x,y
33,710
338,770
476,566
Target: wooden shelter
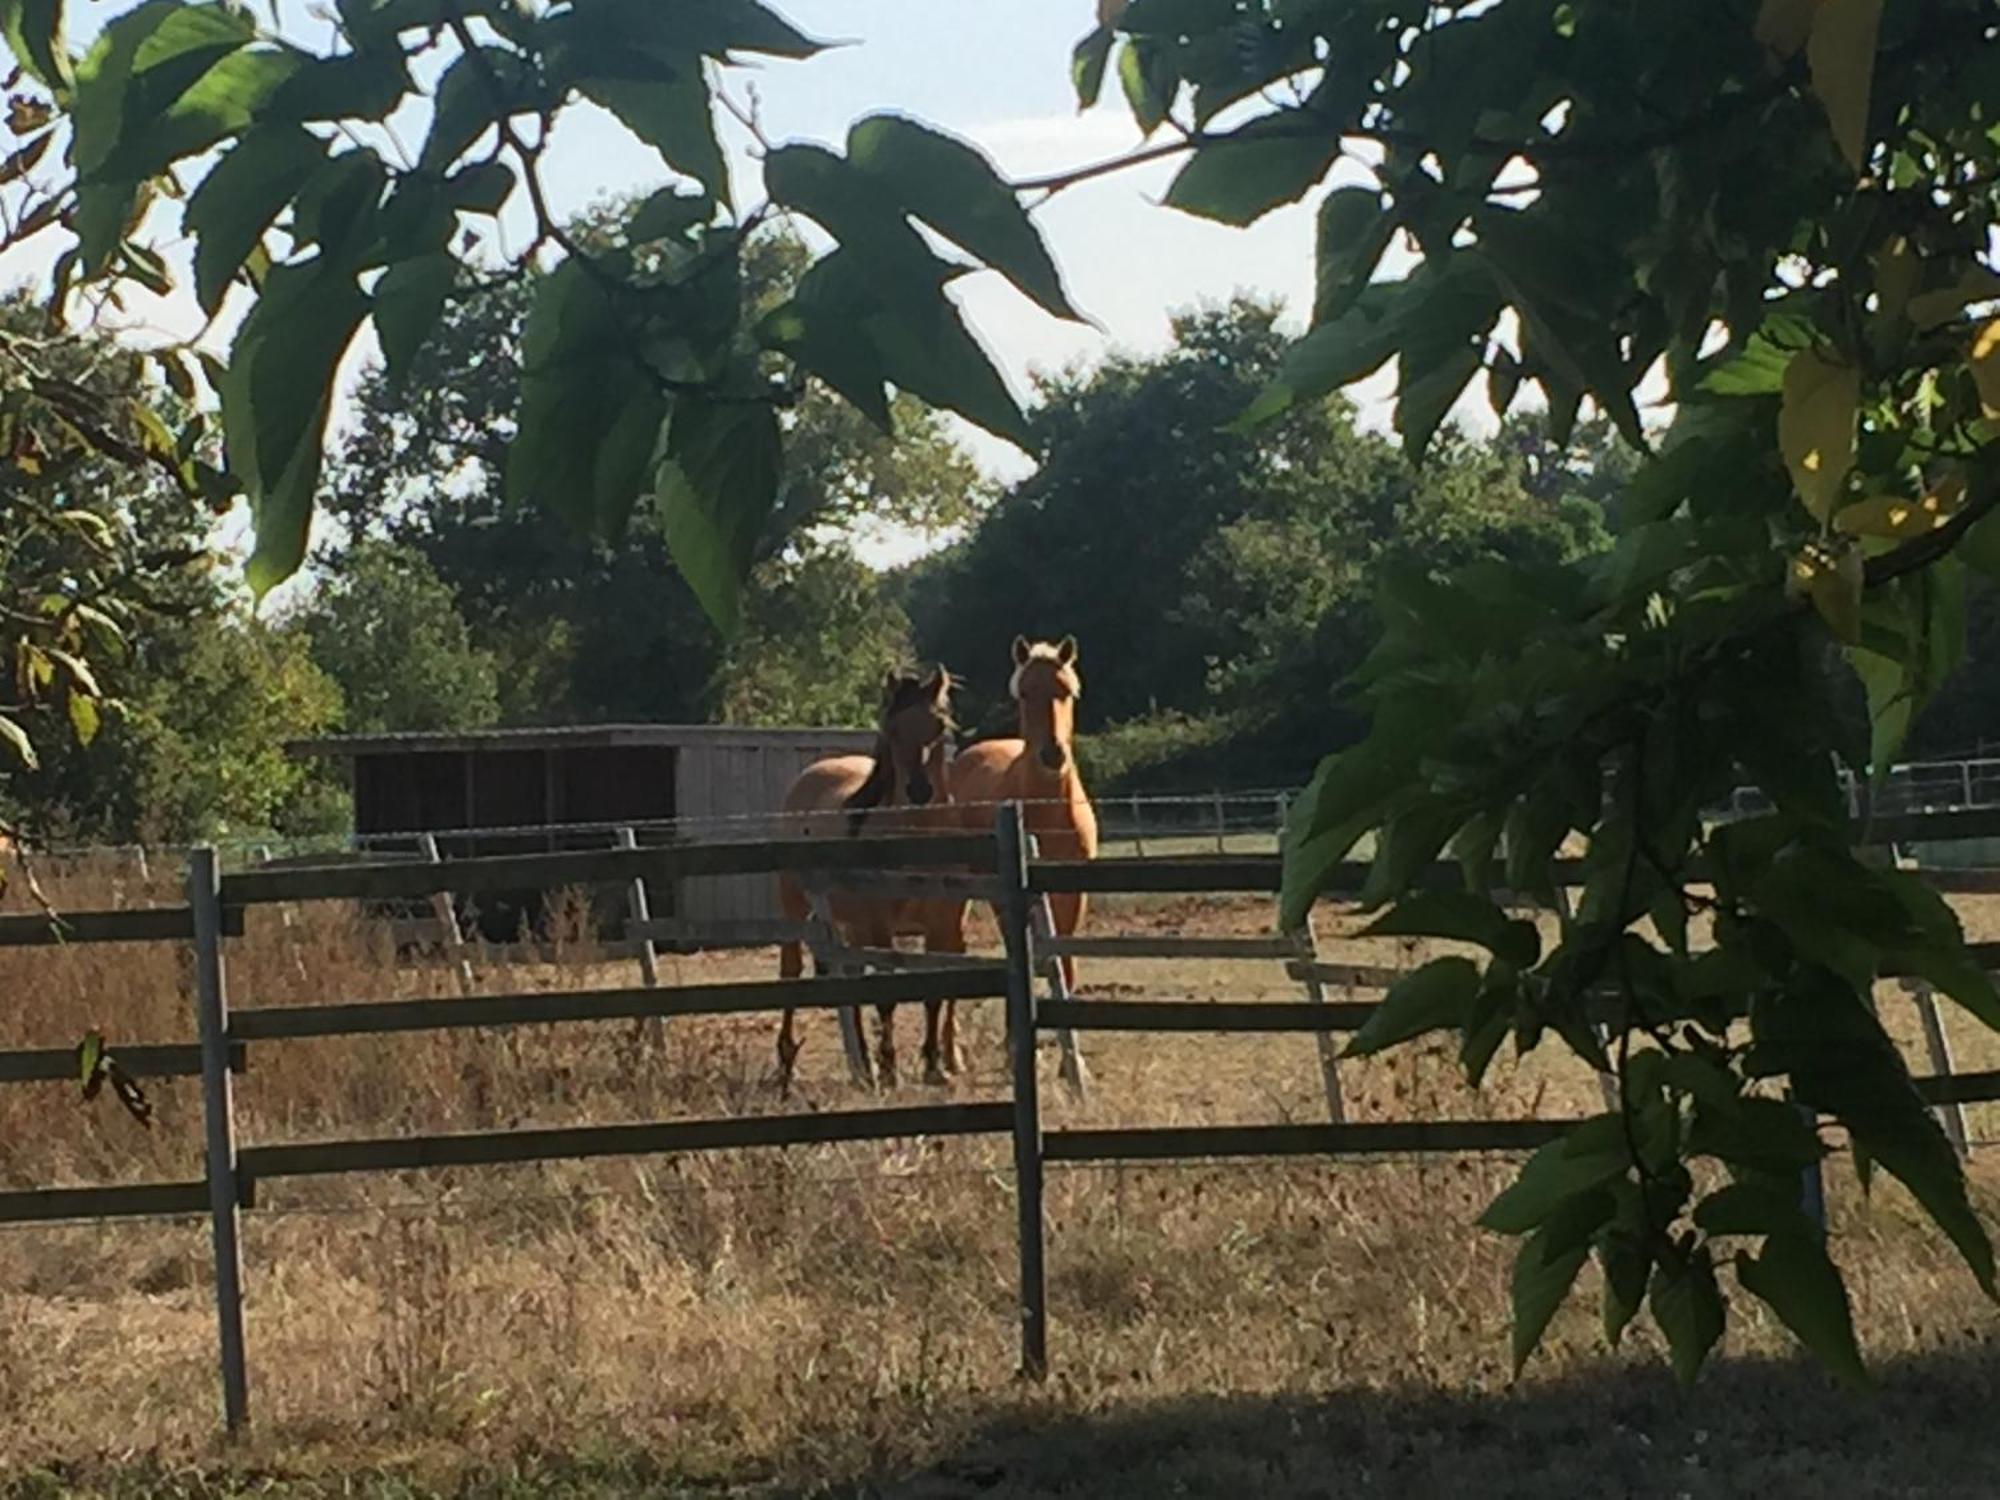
x,y
494,791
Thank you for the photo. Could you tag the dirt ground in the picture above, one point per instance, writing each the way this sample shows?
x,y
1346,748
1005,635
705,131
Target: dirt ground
x,y
840,1319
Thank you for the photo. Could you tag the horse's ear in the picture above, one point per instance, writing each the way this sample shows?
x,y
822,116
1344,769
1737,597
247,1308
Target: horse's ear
x,y
1066,652
1020,650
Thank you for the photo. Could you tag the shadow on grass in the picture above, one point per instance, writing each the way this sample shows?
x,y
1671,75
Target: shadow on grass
x,y
1766,1430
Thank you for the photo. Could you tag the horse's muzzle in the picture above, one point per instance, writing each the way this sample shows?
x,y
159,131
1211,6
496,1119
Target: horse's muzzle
x,y
919,791
1053,757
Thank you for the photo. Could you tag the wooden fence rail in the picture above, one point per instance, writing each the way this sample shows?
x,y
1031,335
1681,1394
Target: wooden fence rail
x,y
952,864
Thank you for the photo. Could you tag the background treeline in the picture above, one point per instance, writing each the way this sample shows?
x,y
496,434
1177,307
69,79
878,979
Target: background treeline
x,y
1218,582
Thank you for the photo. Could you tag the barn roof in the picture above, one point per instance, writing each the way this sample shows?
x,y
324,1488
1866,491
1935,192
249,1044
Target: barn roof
x,y
570,737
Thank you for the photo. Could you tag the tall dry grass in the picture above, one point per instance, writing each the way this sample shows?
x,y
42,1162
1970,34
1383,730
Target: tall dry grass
x,y
779,1321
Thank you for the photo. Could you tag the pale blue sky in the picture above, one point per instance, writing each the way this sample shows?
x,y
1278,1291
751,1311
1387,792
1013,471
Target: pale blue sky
x,y
996,74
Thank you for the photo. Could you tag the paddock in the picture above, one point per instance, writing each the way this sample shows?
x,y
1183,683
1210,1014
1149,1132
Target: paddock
x,y
541,1102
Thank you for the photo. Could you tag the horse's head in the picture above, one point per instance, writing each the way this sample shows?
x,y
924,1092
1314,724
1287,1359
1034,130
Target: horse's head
x,y
916,730
1046,686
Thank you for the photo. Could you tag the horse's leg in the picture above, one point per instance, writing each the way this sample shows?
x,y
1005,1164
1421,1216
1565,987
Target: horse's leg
x,y
942,1057
791,965
1066,915
881,933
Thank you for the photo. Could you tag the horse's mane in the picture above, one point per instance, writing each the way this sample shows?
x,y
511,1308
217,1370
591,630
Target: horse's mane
x,y
909,689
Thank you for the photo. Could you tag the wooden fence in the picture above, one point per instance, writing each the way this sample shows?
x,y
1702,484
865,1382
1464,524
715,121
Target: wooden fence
x,y
235,1169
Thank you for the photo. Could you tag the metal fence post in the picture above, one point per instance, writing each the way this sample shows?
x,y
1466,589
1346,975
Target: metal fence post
x,y
1021,1027
218,1116
447,919
1950,1116
1812,1185
1221,825
639,912
1138,828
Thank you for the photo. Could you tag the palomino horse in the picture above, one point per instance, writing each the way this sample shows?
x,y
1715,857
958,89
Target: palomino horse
x,y
901,787
1037,770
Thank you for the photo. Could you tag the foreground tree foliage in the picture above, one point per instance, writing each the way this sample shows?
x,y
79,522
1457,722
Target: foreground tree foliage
x,y
1789,208
1786,206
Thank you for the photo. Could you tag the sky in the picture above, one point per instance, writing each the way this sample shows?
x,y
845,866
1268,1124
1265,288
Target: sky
x,y
997,75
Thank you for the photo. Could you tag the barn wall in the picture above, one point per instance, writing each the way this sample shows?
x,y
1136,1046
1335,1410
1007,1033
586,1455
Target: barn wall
x,y
740,787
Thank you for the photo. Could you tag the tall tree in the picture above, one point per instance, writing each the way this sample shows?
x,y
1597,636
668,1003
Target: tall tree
x,y
387,629
584,630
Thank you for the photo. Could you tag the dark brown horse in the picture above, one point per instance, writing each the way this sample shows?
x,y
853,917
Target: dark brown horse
x,y
902,786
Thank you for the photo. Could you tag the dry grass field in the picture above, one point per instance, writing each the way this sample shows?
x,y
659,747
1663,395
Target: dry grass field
x,y
839,1320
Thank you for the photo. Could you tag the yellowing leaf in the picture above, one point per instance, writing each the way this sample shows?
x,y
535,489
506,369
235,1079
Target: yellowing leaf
x,y
1784,25
1941,305
84,718
1841,53
1986,367
1836,594
1816,427
1894,516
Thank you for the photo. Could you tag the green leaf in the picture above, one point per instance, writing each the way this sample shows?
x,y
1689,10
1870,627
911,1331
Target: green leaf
x,y
1462,917
717,28
1149,83
1842,1063
352,86
409,299
669,214
1765,1135
337,208
142,62
1354,229
1592,1154
588,408
1425,394
481,188
1243,176
275,400
1433,998
1759,369
818,329
89,1057
1351,347
476,91
1841,54
716,490
1543,1276
1627,1267
927,350
675,117
1756,1205
1343,801
240,198
1687,1306
856,210
1086,66
952,187
34,33
1795,1277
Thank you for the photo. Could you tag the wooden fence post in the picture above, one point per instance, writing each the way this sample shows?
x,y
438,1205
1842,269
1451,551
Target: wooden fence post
x,y
1950,1116
1027,1098
1138,828
218,1117
447,919
1221,825
639,912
